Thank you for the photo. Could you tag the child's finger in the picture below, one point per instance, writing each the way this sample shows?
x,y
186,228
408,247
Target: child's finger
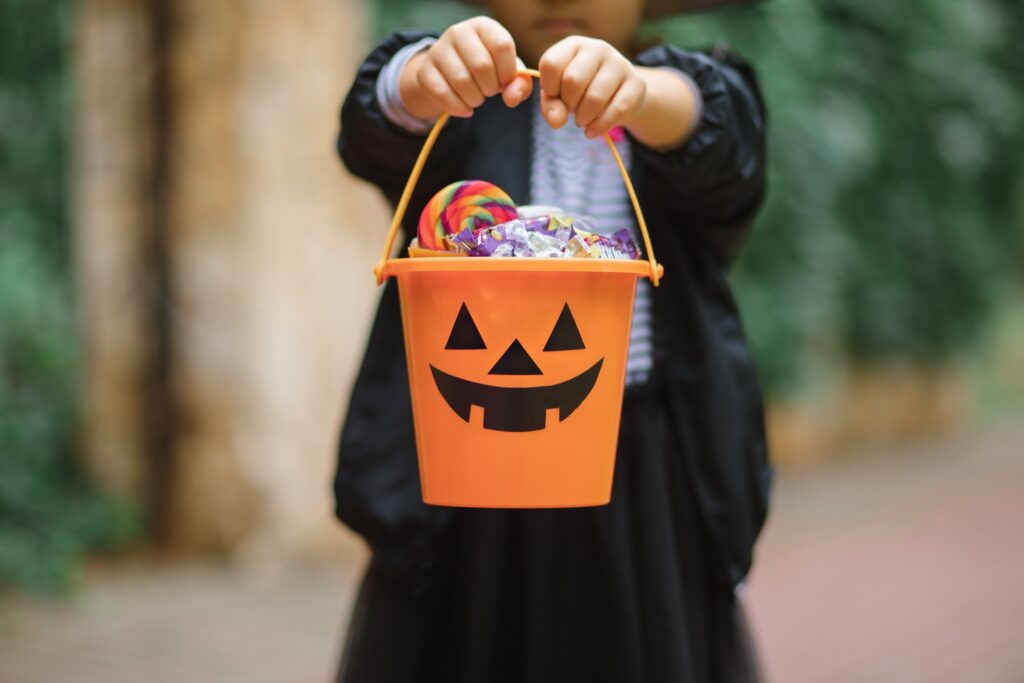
x,y
431,80
502,47
450,64
517,91
477,58
598,94
577,77
554,110
553,63
618,111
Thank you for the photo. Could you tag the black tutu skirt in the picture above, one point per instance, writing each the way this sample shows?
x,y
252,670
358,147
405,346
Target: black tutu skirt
x,y
623,593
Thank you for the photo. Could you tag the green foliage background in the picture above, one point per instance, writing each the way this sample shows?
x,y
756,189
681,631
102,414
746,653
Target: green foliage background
x,y
49,515
893,221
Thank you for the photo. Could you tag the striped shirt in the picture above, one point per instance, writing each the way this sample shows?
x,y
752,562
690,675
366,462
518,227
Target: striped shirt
x,y
580,176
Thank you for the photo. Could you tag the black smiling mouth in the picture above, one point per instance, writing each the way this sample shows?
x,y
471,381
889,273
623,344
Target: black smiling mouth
x,y
516,409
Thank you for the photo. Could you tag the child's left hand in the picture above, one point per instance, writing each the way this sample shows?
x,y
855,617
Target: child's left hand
x,y
592,80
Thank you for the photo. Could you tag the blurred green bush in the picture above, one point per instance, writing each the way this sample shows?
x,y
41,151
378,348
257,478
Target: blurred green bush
x,y
49,514
896,154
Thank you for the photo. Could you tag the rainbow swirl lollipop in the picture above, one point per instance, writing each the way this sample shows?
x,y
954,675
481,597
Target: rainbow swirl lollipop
x,y
464,204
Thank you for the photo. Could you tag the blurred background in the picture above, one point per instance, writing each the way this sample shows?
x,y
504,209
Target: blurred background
x,y
185,293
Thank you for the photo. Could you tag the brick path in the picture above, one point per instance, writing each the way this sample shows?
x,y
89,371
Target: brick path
x,y
905,566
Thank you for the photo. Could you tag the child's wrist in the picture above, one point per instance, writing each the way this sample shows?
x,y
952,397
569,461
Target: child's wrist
x,y
670,109
414,99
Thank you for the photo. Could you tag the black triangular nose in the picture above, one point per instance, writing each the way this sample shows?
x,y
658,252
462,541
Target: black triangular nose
x,y
515,361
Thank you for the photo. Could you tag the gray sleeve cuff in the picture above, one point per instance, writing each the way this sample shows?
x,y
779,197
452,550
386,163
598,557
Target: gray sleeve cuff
x,y
388,96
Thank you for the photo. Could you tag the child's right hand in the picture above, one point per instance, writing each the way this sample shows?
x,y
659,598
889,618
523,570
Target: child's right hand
x,y
471,61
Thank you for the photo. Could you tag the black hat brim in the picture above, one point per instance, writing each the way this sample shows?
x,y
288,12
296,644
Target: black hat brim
x,y
663,8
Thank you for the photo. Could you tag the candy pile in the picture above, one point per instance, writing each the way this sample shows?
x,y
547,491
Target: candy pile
x,y
545,236
472,218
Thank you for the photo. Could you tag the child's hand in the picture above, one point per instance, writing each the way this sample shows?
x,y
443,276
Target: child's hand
x,y
471,61
592,80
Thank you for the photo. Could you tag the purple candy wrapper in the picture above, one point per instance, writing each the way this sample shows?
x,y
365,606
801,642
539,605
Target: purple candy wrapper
x,y
546,237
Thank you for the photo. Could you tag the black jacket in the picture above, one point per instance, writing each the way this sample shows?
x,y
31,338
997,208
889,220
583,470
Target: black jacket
x,y
698,199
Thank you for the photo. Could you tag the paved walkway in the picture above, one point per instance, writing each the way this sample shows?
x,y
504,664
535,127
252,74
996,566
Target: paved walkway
x,y
194,624
906,565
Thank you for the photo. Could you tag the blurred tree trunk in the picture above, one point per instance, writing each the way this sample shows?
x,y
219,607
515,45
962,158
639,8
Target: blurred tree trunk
x,y
113,175
260,251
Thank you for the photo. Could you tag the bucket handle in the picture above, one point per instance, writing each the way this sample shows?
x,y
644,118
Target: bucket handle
x,y
656,269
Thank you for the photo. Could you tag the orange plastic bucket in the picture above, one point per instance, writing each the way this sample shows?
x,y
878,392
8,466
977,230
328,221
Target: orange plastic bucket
x,y
516,369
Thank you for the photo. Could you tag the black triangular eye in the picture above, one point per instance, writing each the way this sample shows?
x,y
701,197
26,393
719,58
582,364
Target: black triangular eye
x,y
565,336
465,335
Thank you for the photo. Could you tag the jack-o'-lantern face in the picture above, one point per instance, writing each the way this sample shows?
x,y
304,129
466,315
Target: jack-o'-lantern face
x,y
515,409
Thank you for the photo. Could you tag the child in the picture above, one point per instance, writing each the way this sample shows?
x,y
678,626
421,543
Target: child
x,y
645,588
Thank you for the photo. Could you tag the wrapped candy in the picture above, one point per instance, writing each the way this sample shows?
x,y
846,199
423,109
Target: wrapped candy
x,y
545,237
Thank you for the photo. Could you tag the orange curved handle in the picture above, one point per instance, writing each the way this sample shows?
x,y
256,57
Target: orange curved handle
x,y
656,270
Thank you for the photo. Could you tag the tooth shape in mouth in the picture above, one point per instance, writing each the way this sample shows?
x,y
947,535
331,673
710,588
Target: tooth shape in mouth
x,y
516,409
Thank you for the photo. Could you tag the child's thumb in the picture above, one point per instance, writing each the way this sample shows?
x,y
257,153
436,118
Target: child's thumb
x,y
554,111
519,89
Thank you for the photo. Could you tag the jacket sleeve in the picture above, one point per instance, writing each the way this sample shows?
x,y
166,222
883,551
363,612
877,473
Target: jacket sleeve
x,y
716,178
376,150
377,491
